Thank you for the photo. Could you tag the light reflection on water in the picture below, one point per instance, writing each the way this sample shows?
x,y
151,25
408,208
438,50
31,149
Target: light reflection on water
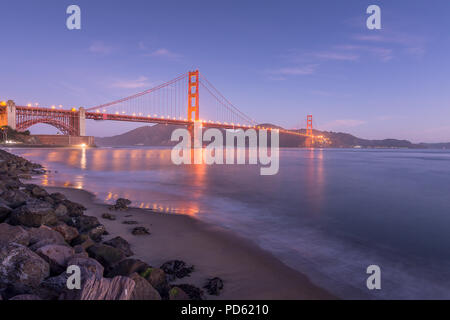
x,y
329,213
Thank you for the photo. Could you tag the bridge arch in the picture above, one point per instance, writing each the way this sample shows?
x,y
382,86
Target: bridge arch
x,y
60,125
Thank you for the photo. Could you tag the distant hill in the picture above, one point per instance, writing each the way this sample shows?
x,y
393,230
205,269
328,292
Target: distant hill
x,y
159,135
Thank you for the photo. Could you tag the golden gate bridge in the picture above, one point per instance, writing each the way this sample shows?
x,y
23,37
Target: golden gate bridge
x,y
175,102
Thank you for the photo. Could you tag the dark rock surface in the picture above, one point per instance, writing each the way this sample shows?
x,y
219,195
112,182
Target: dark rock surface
x,y
140,231
176,269
214,286
41,234
121,244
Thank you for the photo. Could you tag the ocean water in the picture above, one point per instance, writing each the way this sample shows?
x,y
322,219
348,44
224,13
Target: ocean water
x,y
328,213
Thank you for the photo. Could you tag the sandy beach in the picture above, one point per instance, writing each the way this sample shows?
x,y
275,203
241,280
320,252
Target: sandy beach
x,y
248,271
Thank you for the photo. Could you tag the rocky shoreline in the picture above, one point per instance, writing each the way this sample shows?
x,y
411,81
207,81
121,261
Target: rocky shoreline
x,y
43,234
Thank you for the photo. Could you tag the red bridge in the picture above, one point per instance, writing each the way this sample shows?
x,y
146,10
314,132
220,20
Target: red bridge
x,y
165,104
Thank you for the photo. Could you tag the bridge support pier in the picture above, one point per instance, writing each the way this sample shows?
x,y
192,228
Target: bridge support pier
x,y
82,122
8,115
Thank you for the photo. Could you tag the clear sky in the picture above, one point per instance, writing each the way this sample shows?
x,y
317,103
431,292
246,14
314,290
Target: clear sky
x,y
276,60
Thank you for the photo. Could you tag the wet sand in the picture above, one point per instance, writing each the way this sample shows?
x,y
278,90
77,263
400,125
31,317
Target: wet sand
x,y
248,271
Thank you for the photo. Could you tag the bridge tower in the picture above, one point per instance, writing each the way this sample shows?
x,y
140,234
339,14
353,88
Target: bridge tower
x,y
193,96
309,142
309,125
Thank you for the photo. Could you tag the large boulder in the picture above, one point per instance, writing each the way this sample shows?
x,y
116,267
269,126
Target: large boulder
x,y
89,225
44,233
52,288
121,244
105,254
127,267
177,293
61,210
21,268
5,211
97,233
89,267
117,288
15,198
85,223
83,240
68,233
157,278
143,290
9,233
58,197
57,256
33,214
73,209
36,191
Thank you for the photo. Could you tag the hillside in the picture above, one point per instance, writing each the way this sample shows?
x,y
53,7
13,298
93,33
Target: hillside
x,y
159,135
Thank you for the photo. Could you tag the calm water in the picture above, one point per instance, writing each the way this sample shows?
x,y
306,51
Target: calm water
x,y
328,213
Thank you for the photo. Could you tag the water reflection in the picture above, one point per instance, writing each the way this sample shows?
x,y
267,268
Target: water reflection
x,y
315,179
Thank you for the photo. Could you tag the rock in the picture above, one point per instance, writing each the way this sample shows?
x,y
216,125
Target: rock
x,y
177,294
15,198
68,233
46,234
89,267
140,231
61,210
108,216
21,268
79,250
33,215
176,269
193,292
24,176
74,209
36,191
214,286
97,233
157,278
89,225
106,255
85,223
143,290
52,288
5,211
50,200
57,256
121,244
117,288
127,267
83,240
26,297
58,197
121,204
130,222
15,234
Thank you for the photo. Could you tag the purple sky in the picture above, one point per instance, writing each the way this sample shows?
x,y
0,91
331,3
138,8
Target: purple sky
x,y
276,60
